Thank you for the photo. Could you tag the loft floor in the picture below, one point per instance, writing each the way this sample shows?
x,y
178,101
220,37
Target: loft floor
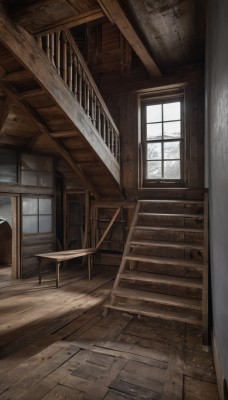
x,y
55,344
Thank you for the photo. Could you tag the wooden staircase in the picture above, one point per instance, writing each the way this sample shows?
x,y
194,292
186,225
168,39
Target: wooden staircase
x,y
164,271
49,81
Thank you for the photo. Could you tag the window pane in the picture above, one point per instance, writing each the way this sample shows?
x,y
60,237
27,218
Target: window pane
x,y
6,209
8,166
45,223
153,151
29,178
154,170
172,130
172,169
154,131
29,206
154,113
171,150
28,162
171,111
44,180
30,224
45,206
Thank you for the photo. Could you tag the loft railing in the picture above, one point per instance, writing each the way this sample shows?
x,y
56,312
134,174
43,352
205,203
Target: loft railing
x,y
64,54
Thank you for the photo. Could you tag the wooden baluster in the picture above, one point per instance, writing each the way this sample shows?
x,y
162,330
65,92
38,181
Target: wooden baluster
x,y
52,48
98,118
64,66
112,140
80,83
48,52
87,99
104,128
118,148
75,75
108,134
58,52
70,68
94,108
84,91
39,41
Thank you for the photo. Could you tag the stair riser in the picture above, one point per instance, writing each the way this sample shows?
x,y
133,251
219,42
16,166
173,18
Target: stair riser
x,y
166,269
188,254
175,290
172,208
170,221
169,308
169,236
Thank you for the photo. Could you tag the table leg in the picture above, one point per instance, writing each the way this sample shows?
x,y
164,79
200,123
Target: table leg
x,y
90,265
39,271
57,273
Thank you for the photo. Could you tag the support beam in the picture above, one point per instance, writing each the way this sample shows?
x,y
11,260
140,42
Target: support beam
x,y
25,48
113,11
72,22
46,131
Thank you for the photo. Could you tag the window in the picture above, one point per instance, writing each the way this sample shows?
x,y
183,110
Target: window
x,y
162,127
36,170
36,215
8,166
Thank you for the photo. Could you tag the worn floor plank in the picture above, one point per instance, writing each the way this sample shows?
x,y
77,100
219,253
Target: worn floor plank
x,y
55,344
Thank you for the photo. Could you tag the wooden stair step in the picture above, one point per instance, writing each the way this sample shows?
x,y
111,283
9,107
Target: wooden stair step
x,y
137,276
163,299
174,245
162,260
161,214
172,201
149,311
168,229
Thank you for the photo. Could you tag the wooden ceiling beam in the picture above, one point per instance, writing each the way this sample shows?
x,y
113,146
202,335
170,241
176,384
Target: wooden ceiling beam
x,y
72,22
116,14
11,93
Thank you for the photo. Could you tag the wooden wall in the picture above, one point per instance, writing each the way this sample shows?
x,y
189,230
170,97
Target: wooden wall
x,y
120,83
124,105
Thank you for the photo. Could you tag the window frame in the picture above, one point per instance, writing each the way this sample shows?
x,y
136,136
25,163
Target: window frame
x,y
153,100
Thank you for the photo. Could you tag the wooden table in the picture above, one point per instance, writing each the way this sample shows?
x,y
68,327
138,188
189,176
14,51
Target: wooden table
x,y
61,256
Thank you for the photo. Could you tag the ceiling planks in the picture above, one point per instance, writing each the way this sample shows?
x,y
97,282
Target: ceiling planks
x,y
44,16
173,30
112,8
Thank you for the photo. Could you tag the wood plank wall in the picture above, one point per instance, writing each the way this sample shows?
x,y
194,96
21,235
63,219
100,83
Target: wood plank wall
x,y
119,87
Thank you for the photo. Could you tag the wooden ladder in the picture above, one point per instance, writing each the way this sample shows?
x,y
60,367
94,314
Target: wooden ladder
x,y
164,268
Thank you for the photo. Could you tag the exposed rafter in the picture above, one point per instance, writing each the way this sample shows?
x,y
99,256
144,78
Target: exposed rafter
x,y
116,14
71,22
11,93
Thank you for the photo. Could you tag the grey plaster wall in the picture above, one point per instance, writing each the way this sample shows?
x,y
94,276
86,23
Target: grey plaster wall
x,y
217,167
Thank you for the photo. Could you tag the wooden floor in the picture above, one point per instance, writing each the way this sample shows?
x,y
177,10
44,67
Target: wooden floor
x,y
55,344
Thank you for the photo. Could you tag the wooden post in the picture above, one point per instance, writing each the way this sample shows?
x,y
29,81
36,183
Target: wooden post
x,y
80,83
75,75
64,66
58,59
52,48
40,270
57,273
70,68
